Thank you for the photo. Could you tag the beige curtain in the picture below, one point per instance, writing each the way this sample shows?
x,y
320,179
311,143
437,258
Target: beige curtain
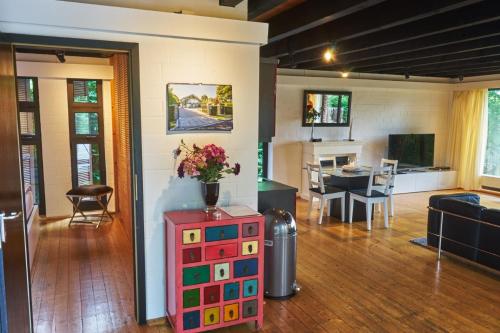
x,y
465,146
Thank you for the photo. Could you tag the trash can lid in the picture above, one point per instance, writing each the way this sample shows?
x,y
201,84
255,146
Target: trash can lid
x,y
279,223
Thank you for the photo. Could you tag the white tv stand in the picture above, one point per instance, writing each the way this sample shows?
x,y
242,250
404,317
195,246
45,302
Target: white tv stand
x,y
422,180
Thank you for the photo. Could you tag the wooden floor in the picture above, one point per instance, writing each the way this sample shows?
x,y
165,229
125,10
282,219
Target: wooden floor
x,y
351,280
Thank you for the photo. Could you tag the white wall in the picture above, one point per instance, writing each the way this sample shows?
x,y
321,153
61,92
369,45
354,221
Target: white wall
x,y
54,123
173,48
379,108
194,7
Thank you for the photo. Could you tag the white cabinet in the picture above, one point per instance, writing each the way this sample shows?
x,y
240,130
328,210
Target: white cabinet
x,y
430,180
447,180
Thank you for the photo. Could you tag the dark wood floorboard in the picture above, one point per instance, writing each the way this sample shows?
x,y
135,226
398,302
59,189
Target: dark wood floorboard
x,y
351,280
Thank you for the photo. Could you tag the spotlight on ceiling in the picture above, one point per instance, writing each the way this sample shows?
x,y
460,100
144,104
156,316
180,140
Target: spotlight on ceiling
x,y
329,54
60,56
407,76
345,74
460,78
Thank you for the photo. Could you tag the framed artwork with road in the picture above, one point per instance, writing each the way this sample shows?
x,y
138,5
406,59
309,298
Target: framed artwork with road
x,y
199,107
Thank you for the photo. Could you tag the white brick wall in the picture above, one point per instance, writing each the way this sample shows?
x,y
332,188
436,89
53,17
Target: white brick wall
x,y
379,108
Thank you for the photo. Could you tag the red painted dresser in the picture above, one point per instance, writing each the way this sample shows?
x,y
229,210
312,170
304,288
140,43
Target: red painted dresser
x,y
215,270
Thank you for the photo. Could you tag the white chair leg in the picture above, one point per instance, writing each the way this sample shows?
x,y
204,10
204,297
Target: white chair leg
x,y
342,208
328,206
386,214
368,215
310,207
351,207
391,199
321,207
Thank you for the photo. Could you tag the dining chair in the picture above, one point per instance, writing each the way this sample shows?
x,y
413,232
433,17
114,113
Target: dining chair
x,y
369,196
317,189
381,181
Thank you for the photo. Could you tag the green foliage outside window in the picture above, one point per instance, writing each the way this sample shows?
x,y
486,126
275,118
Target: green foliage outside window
x,y
492,156
91,93
260,161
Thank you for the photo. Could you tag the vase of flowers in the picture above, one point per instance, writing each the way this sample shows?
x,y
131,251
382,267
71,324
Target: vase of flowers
x,y
208,164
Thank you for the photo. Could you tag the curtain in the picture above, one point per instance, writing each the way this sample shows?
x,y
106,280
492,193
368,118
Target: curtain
x,y
465,145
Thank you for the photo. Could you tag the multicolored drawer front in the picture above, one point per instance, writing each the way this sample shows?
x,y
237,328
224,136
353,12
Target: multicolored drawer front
x,y
213,234
191,236
250,288
231,312
246,267
191,298
191,320
250,308
250,230
195,275
211,316
231,291
249,248
221,251
214,270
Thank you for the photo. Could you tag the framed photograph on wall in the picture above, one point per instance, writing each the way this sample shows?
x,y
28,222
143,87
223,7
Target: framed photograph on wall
x,y
326,108
199,107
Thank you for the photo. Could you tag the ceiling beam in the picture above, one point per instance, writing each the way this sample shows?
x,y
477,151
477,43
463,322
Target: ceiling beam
x,y
312,14
468,72
443,37
453,67
388,14
258,8
376,58
483,55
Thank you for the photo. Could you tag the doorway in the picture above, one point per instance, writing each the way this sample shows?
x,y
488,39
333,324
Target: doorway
x,y
135,299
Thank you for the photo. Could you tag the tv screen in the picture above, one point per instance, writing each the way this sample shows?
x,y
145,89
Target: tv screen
x,y
412,150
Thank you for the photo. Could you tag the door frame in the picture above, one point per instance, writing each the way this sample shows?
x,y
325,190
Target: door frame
x,y
136,144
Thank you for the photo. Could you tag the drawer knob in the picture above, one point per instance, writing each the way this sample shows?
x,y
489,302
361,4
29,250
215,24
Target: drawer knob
x,y
221,234
250,289
231,292
231,313
212,317
250,229
196,276
245,269
191,256
191,236
191,321
221,252
250,248
249,310
222,272
212,298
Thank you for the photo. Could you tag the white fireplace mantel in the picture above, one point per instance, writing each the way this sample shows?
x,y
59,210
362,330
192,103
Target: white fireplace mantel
x,y
313,152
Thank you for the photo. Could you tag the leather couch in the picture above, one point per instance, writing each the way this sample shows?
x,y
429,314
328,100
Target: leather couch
x,y
465,238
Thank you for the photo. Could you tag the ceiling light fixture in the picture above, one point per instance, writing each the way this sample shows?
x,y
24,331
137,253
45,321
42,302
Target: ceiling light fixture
x,y
329,54
345,74
407,76
460,78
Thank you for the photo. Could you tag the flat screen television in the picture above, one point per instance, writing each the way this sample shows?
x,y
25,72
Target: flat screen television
x,y
412,150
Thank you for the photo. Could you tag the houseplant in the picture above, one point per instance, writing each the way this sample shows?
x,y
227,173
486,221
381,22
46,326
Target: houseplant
x,y
208,164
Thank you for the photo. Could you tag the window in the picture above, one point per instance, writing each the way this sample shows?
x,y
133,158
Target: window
x,y
31,143
86,132
492,153
262,160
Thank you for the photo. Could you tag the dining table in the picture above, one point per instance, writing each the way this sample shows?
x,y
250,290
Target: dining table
x,y
348,180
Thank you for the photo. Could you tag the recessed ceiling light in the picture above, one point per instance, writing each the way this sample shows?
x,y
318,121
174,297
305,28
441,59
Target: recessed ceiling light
x,y
329,55
345,74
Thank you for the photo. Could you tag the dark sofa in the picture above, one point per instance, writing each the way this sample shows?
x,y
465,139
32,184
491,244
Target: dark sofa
x,y
465,238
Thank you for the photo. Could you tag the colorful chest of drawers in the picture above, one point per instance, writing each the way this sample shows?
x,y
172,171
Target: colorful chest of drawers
x,y
215,270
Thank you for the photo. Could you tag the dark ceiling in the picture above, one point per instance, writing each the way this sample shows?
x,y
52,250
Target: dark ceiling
x,y
440,38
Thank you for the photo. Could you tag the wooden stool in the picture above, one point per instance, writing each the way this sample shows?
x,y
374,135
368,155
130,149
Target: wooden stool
x,y
91,193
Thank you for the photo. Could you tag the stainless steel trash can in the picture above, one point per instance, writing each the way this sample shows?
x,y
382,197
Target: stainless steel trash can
x,y
280,257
